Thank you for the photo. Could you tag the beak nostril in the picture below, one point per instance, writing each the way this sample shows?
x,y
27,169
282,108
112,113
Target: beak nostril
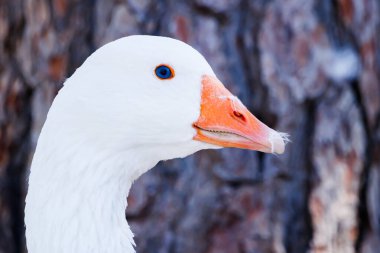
x,y
239,115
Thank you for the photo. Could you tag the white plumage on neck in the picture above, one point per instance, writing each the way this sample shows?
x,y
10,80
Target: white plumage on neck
x,y
77,198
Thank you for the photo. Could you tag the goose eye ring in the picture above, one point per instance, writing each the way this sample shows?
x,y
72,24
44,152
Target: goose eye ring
x,y
164,72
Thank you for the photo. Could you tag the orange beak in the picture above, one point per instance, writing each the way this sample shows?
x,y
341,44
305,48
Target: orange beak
x,y
226,122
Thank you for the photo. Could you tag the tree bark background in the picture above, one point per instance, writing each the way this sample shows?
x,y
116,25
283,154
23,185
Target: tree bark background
x,y
309,68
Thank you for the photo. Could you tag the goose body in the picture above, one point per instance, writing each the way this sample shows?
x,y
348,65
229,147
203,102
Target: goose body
x,y
132,103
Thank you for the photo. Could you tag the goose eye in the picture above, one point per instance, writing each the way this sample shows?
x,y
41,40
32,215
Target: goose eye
x,y
164,72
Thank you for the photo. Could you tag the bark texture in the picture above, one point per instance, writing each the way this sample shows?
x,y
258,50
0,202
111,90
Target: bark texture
x,y
309,68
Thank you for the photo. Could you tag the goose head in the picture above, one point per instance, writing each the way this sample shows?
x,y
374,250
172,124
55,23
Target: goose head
x,y
161,96
132,103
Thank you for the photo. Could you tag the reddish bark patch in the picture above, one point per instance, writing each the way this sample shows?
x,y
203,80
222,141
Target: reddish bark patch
x,y
346,9
60,7
57,67
182,30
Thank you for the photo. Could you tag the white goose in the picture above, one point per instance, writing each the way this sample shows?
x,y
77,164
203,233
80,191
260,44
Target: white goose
x,y
133,102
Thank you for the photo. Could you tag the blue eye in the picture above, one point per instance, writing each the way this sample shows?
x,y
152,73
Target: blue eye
x,y
164,72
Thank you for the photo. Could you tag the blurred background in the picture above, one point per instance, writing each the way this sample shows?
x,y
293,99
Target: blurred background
x,y
309,68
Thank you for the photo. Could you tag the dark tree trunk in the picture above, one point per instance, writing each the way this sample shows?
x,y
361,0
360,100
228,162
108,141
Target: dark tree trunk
x,y
309,68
